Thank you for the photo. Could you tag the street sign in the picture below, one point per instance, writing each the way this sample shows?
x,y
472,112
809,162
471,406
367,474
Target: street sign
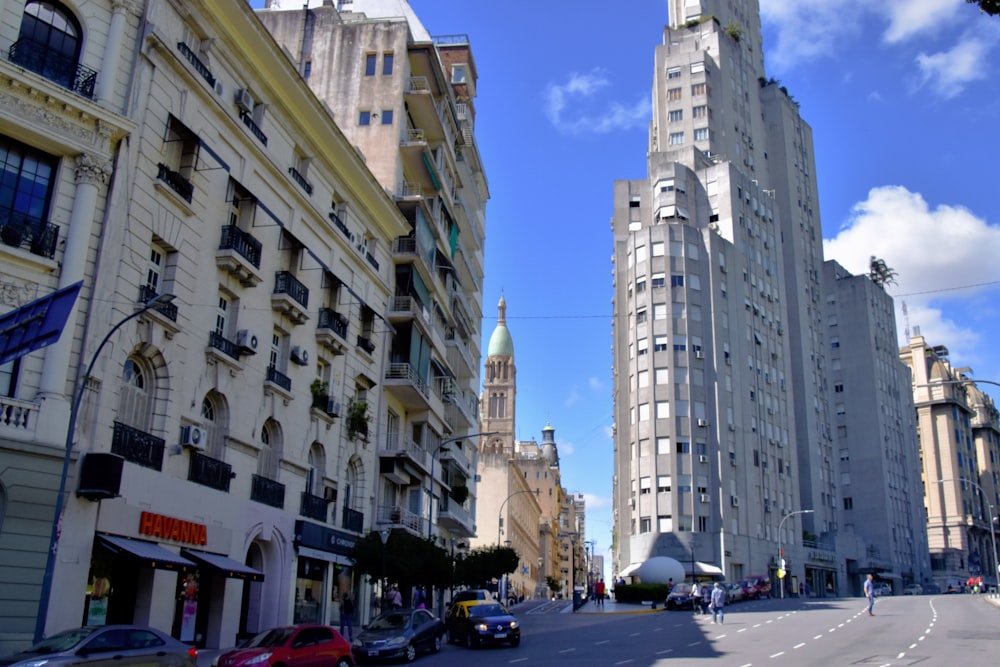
x,y
36,324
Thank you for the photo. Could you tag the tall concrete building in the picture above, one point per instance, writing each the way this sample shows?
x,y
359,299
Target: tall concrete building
x,y
406,100
723,432
958,429
875,430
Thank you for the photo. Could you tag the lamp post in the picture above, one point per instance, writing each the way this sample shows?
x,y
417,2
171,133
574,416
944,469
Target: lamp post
x,y
500,513
430,486
50,560
993,539
384,536
781,552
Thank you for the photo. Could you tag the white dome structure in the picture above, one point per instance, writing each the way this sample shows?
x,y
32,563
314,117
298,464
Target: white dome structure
x,y
659,570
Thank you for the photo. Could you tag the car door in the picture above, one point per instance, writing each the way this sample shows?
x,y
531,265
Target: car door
x,y
327,650
423,628
303,649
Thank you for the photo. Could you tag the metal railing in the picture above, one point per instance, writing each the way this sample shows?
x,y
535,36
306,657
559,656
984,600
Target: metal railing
x,y
168,310
286,283
224,345
195,61
137,446
41,59
210,472
267,491
352,520
332,320
252,126
243,243
21,230
314,507
339,223
278,378
301,180
177,183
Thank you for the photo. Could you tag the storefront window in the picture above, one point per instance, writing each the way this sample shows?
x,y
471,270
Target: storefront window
x,y
309,590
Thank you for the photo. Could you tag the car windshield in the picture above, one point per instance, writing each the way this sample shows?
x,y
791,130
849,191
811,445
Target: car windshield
x,y
62,641
481,610
390,622
681,589
273,637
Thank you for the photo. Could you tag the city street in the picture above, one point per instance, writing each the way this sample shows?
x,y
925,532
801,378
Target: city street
x,y
906,630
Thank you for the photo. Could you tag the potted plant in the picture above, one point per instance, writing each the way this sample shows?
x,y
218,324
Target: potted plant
x,y
460,493
357,420
320,393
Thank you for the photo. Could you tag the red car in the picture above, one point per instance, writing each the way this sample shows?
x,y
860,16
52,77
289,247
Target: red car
x,y
757,587
299,645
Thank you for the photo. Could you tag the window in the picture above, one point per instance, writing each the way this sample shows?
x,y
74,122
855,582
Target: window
x,y
697,67
270,451
49,44
848,503
676,138
659,343
699,89
684,448
701,134
645,524
222,316
370,64
677,280
657,249
8,378
659,311
214,418
644,486
674,94
365,118
834,342
640,316
307,69
663,483
663,410
676,115
642,346
459,73
663,445
700,111
26,184
134,402
180,156
640,285
387,117
674,73
665,524
387,63
659,280
838,388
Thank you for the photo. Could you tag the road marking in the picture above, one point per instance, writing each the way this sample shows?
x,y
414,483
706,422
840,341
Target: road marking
x,y
799,645
912,646
606,641
623,662
900,656
634,634
749,664
771,621
567,650
818,637
693,644
742,630
757,626
669,650
832,630
779,653
920,639
841,625
517,660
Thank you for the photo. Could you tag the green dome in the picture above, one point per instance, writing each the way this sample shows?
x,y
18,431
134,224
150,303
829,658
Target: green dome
x,y
501,344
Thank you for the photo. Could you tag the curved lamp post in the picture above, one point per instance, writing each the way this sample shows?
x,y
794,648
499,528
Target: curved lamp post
x,y
500,513
430,486
781,552
993,539
74,411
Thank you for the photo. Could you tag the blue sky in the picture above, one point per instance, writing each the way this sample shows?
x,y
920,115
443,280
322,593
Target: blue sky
x,y
904,104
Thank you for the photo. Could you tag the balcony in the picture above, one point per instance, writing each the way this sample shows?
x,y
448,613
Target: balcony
x,y
405,308
217,341
17,418
402,380
210,472
314,507
459,355
54,66
137,446
352,520
267,492
398,517
175,182
402,447
167,310
239,255
252,126
301,180
328,405
455,517
339,223
458,459
20,230
366,344
331,330
407,248
290,297
409,191
195,61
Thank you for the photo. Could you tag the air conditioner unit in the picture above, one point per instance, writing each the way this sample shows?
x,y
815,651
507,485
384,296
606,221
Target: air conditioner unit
x,y
702,458
194,437
246,341
722,267
329,494
300,355
703,422
333,408
704,497
734,501
244,100
698,354
732,427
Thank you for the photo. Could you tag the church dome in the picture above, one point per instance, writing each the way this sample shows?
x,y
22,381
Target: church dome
x,y
501,344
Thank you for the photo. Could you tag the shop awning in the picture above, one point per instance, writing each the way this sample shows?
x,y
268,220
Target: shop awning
x,y
325,555
227,566
149,554
704,569
632,567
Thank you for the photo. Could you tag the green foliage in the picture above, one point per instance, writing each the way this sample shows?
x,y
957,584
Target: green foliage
x,y
484,564
735,31
553,584
357,420
409,560
991,7
640,592
459,493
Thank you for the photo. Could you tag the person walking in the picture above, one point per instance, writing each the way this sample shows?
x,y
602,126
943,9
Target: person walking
x,y
599,592
696,598
870,593
718,603
347,617
706,599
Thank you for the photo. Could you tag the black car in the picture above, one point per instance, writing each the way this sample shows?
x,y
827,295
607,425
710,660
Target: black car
x,y
680,597
400,633
487,623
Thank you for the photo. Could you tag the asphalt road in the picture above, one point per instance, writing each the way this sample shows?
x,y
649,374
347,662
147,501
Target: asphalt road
x,y
948,630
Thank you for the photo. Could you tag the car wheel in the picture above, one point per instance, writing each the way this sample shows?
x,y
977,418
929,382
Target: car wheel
x,y
436,646
411,653
343,662
469,643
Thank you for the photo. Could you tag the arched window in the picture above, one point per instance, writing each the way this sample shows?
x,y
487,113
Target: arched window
x,y
135,399
317,469
49,44
215,420
270,452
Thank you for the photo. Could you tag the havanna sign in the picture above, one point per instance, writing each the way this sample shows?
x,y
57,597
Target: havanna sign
x,y
175,530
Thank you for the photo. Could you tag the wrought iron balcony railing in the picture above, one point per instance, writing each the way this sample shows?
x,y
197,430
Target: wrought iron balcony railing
x,y
195,61
267,491
314,507
252,126
366,344
137,446
352,520
177,183
286,283
340,224
245,245
332,320
43,60
224,345
30,233
279,378
168,310
210,472
301,180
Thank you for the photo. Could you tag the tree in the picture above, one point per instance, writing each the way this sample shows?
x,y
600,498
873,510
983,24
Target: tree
x,y
991,7
880,273
483,565
409,560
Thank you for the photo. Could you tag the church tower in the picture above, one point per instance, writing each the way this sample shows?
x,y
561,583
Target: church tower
x,y
499,389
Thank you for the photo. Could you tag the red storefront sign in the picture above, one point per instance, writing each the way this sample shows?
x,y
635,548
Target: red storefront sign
x,y
175,530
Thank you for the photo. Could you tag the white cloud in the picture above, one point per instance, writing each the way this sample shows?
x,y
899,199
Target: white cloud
x,y
594,501
596,383
948,72
572,398
931,250
582,88
566,448
908,18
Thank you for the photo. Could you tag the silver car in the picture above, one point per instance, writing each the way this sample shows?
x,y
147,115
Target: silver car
x,y
121,645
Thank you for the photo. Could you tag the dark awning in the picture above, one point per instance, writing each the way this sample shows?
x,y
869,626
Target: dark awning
x,y
225,565
149,554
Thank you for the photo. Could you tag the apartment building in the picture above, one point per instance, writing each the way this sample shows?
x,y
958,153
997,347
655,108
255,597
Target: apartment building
x,y
223,459
405,99
878,450
958,429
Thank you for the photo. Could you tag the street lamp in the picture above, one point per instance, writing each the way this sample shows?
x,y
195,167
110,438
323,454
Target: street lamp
x,y
50,560
384,536
781,552
500,513
430,486
993,539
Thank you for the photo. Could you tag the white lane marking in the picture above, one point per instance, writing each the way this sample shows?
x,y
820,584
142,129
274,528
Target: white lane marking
x,y
742,630
841,625
920,639
799,645
757,626
623,662
720,636
832,630
606,641
669,650
818,637
749,664
771,621
779,653
567,650
693,644
912,646
517,660
634,634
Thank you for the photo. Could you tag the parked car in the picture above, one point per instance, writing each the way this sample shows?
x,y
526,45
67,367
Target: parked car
x,y
882,589
759,585
487,623
932,589
304,644
734,593
118,644
913,589
680,597
400,633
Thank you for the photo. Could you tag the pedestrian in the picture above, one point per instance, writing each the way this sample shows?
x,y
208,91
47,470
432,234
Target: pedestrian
x,y
718,603
347,617
870,593
599,591
695,598
706,599
396,598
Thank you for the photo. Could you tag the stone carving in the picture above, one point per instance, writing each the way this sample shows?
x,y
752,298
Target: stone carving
x,y
16,293
92,170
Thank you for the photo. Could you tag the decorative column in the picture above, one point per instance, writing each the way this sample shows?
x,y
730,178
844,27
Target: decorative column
x,y
120,11
92,172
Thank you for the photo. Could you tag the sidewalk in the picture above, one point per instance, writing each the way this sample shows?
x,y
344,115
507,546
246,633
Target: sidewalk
x,y
612,607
